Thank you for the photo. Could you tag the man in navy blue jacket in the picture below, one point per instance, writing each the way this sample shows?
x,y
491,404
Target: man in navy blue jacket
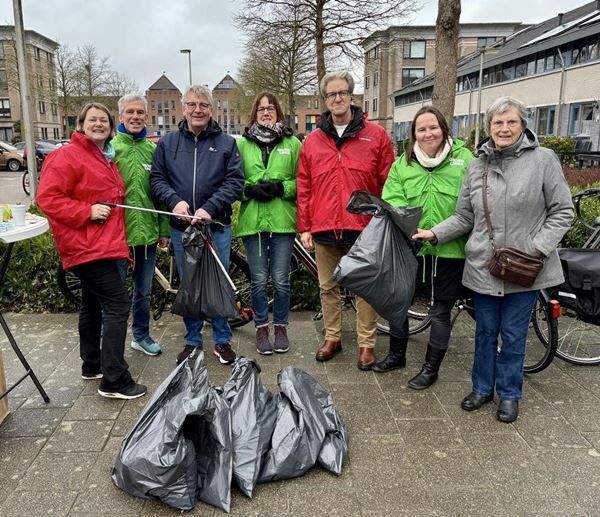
x,y
197,170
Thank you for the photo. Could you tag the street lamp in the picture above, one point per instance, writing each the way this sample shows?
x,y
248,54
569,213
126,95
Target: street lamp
x,y
482,51
189,53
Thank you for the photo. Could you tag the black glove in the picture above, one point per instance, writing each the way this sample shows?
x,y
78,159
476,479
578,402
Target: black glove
x,y
264,191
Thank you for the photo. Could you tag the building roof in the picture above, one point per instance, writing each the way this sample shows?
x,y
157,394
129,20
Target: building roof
x,y
227,83
163,83
578,23
9,31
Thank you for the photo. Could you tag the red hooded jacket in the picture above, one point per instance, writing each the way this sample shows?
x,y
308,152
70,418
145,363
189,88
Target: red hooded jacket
x,y
74,177
330,169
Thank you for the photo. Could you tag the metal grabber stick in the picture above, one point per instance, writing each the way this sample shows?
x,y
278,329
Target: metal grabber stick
x,y
204,220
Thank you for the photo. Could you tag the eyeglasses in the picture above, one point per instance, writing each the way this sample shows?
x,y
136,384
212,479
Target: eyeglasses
x,y
498,124
197,105
270,109
344,94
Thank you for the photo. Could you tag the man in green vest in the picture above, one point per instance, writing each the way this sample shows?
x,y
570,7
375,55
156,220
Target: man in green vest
x,y
145,230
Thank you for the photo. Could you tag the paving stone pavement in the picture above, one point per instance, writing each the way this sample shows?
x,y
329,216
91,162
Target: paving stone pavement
x,y
411,453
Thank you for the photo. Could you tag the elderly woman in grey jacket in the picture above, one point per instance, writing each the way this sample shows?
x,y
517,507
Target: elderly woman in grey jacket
x,y
530,208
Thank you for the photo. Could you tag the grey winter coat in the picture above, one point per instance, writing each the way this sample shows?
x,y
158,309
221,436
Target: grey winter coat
x,y
530,208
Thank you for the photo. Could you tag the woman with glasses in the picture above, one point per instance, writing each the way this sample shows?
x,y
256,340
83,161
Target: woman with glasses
x,y
519,190
267,218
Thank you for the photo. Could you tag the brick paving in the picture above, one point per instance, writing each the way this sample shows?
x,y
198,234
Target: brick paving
x,y
411,453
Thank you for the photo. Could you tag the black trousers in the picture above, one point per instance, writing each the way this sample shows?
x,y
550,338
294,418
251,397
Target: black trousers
x,y
103,323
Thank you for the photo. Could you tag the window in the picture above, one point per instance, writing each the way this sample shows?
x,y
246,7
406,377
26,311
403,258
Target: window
x,y
42,107
173,121
160,106
6,134
374,105
520,69
366,82
36,53
54,108
486,41
172,105
152,105
545,120
4,108
410,75
3,79
366,110
153,119
1,50
40,80
581,118
52,84
56,133
311,122
317,103
414,49
508,71
549,62
45,133
375,78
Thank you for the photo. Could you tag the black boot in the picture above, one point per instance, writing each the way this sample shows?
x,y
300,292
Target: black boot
x,y
429,371
396,357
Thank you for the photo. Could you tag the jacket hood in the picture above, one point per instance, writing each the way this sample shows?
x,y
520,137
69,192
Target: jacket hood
x,y
527,140
211,129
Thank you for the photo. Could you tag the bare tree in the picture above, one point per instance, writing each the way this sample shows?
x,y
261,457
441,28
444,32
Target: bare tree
x,y
93,72
334,27
446,56
281,63
119,84
66,82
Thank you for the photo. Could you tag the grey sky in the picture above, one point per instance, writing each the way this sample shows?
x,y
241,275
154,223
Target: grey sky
x,y
143,39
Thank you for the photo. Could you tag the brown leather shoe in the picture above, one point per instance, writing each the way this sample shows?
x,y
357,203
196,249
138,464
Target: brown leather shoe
x,y
328,350
366,358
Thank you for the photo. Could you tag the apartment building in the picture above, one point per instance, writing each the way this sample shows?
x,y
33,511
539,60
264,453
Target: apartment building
x,y
164,106
553,67
41,72
400,55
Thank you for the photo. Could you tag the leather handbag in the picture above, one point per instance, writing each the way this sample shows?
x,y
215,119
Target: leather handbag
x,y
509,263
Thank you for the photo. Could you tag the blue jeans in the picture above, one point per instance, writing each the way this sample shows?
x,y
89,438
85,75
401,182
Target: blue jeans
x,y
507,316
144,259
220,327
261,249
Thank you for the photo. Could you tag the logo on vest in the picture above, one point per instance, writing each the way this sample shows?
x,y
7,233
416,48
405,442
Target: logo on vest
x,y
457,161
285,150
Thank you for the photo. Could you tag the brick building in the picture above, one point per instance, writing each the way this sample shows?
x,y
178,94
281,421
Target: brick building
x,y
164,106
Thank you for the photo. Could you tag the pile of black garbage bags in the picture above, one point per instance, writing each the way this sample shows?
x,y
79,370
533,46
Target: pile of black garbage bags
x,y
193,438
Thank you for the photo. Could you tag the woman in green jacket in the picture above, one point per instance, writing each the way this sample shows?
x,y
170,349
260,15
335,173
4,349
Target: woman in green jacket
x,y
429,174
267,219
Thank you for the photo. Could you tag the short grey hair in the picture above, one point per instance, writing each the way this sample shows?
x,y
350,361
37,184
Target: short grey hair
x,y
503,105
332,76
132,97
199,91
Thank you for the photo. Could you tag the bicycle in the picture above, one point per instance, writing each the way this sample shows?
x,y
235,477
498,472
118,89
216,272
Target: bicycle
x,y
578,333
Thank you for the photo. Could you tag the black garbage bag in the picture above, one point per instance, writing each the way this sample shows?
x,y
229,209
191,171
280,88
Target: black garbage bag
x,y
179,450
253,413
381,266
308,429
205,291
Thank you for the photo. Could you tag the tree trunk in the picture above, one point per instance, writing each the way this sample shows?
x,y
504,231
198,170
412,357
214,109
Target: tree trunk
x,y
319,43
446,57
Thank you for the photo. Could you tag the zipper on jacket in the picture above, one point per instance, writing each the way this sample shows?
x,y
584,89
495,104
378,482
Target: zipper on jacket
x,y
194,180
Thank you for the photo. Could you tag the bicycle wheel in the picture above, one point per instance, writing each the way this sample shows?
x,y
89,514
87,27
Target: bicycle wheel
x,y
542,338
25,183
69,285
239,271
578,341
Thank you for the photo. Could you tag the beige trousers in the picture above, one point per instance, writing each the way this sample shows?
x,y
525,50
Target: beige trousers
x,y
366,318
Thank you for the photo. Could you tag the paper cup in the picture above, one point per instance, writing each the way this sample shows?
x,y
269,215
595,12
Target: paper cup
x,y
18,213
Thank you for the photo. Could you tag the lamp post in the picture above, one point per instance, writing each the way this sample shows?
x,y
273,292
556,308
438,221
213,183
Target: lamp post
x,y
189,53
485,50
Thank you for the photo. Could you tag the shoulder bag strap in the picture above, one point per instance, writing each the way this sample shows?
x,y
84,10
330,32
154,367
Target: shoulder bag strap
x,y
486,209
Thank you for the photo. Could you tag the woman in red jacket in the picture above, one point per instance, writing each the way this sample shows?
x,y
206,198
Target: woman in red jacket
x,y
90,238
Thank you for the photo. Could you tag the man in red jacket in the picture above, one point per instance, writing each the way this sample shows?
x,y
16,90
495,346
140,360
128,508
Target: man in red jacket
x,y
345,153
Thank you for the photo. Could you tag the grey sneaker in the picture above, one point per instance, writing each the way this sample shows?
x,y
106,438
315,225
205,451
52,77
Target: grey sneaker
x,y
263,345
282,343
148,346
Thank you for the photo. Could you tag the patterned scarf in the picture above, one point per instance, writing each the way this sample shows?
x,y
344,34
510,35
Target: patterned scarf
x,y
267,134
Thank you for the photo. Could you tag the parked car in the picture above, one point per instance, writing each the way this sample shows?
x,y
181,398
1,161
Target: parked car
x,y
10,157
42,148
57,143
